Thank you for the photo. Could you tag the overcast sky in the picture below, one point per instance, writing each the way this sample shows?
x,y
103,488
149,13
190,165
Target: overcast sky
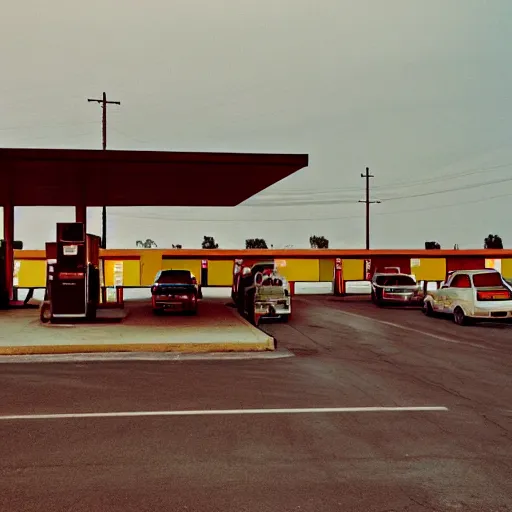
x,y
418,90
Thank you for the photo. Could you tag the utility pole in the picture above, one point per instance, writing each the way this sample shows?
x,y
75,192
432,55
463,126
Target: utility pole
x,y
368,203
104,104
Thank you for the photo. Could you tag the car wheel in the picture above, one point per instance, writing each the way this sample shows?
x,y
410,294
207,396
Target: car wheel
x,y
427,308
459,317
157,311
285,318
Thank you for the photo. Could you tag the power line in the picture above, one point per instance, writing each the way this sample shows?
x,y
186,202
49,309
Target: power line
x,y
462,174
332,201
287,203
457,189
399,184
309,219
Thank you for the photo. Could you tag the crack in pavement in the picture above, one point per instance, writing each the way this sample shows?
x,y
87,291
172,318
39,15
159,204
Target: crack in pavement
x,y
443,430
416,501
507,432
413,376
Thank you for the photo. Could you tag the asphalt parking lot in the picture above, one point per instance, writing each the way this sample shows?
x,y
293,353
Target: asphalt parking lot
x,y
349,354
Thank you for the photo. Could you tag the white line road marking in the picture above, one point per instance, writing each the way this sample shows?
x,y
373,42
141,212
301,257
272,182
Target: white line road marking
x,y
417,331
219,412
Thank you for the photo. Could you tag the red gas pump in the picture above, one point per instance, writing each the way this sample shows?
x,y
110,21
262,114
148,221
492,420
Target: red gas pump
x,y
368,270
73,277
204,278
339,284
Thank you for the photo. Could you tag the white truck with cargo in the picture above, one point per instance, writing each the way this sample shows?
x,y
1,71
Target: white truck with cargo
x,y
262,292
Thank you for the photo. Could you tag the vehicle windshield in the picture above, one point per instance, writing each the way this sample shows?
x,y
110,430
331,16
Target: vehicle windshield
x,y
487,279
261,267
175,277
399,280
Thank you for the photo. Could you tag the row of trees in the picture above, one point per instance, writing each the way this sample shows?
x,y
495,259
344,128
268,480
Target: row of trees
x,y
151,244
315,242
490,242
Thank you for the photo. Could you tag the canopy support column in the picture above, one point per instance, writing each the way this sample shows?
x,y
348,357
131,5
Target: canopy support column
x,y
9,249
81,215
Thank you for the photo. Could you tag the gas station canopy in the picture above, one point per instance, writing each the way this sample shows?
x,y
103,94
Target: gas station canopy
x,y
68,177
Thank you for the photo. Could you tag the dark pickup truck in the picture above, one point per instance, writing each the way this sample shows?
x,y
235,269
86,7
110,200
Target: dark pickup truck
x,y
175,290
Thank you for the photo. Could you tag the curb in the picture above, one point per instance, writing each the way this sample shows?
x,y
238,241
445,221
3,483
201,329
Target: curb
x,y
270,340
144,356
191,348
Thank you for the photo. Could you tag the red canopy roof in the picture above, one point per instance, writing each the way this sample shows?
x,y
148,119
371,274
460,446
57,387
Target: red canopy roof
x,y
68,177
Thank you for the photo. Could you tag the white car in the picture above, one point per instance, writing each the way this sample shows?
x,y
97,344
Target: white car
x,y
471,295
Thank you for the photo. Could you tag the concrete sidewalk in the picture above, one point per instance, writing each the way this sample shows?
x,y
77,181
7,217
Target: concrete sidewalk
x,y
216,328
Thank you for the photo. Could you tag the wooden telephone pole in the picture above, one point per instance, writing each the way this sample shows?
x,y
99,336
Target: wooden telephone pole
x,y
104,104
368,203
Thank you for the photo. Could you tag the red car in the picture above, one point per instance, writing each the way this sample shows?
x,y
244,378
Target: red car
x,y
175,290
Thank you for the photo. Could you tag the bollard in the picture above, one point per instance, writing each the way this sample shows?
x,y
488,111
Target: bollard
x,y
120,295
339,285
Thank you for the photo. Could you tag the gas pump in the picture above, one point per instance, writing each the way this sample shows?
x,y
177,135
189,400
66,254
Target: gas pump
x,y
368,270
339,283
73,273
204,277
